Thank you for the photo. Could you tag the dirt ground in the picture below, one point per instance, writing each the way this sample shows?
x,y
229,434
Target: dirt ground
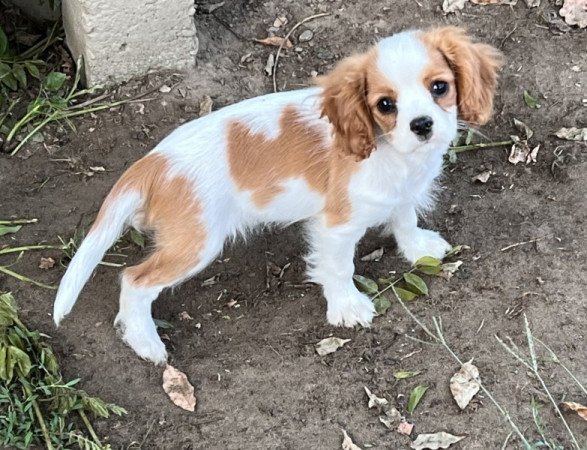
x,y
259,382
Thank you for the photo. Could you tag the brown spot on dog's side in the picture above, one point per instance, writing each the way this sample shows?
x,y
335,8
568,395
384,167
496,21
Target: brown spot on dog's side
x,y
170,211
439,70
261,165
475,67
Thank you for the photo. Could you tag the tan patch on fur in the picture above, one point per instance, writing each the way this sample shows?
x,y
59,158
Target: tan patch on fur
x,y
171,211
439,70
475,67
261,165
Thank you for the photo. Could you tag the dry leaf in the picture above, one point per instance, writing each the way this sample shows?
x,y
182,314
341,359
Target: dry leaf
x,y
572,134
210,281
46,263
533,3
280,22
178,388
184,315
97,169
164,89
405,428
275,41
270,63
375,401
575,12
449,6
391,417
375,255
465,384
206,105
521,152
577,407
347,442
330,345
495,2
527,133
482,177
435,441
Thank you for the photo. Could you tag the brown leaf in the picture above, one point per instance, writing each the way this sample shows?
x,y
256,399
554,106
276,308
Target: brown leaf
x,y
206,105
46,263
465,384
347,442
575,12
577,407
482,177
178,388
572,134
275,41
521,152
435,441
330,345
449,6
405,428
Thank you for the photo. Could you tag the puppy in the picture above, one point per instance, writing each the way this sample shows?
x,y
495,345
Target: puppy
x,y
362,149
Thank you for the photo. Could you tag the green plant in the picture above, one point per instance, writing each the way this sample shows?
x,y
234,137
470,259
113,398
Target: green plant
x,y
36,405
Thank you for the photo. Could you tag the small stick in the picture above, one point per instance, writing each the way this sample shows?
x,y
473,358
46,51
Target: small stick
x,y
464,148
517,244
294,28
18,221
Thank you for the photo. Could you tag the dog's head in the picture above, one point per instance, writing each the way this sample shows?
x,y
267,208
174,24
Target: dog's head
x,y
410,89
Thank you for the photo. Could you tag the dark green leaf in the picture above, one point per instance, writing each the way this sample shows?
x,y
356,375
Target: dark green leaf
x,y
4,70
10,81
163,324
20,75
365,284
32,69
415,284
404,374
21,360
137,238
382,304
415,397
429,265
54,81
7,229
530,101
403,294
3,42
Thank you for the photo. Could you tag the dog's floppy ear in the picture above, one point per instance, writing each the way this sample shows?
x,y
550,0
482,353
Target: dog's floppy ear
x,y
344,102
475,66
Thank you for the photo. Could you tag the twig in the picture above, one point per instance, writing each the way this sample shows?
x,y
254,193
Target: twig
x,y
517,244
507,37
294,28
464,148
18,221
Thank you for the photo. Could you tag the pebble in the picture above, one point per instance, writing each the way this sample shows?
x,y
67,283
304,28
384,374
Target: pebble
x,y
306,36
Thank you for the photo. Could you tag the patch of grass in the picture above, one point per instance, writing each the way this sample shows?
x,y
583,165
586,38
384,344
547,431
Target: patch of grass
x,y
37,406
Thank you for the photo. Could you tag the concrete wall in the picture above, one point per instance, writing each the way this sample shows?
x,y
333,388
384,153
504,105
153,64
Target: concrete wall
x,y
119,39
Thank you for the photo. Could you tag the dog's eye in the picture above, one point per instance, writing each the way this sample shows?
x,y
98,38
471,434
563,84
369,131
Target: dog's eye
x,y
386,105
439,88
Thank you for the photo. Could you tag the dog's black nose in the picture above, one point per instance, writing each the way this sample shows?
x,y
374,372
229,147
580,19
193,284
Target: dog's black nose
x,y
422,126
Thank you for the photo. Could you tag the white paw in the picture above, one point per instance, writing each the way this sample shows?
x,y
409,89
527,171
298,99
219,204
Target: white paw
x,y
142,337
425,243
350,310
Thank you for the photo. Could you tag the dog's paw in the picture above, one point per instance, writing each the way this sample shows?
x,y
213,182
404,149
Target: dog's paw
x,y
143,339
350,310
425,243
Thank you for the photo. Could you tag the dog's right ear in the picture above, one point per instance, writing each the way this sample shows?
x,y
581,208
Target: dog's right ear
x,y
344,102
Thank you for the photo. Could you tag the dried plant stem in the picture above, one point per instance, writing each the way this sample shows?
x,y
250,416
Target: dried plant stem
x,y
20,277
27,248
40,419
464,148
557,361
18,221
294,28
89,426
439,338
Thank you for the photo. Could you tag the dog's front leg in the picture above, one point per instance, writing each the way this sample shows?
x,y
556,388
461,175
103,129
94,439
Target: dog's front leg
x,y
330,263
414,242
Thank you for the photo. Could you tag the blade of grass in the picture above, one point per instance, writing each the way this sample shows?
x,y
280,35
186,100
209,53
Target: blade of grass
x,y
26,279
464,148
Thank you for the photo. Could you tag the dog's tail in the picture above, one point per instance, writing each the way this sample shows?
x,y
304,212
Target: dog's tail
x,y
116,212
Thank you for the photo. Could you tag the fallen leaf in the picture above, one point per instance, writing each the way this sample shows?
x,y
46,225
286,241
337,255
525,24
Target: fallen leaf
x,y
280,21
483,177
374,401
495,2
572,134
210,281
449,6
206,105
209,8
533,3
275,41
415,284
415,397
435,441
164,89
178,388
375,255
137,238
575,12
347,442
97,169
392,416
530,101
464,384
245,58
581,410
46,263
405,374
404,294
365,284
521,152
184,315
330,345
452,267
381,304
269,66
405,428
526,131
163,324
7,229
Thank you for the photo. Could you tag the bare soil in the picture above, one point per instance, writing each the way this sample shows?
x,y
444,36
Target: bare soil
x,y
258,380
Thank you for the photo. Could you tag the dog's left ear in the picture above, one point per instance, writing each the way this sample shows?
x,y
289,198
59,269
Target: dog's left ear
x,y
476,69
344,102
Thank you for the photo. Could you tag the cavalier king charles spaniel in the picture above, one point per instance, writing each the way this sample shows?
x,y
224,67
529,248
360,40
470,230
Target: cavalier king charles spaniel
x,y
361,149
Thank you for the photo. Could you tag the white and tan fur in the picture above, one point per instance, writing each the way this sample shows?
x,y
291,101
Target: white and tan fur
x,y
336,156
